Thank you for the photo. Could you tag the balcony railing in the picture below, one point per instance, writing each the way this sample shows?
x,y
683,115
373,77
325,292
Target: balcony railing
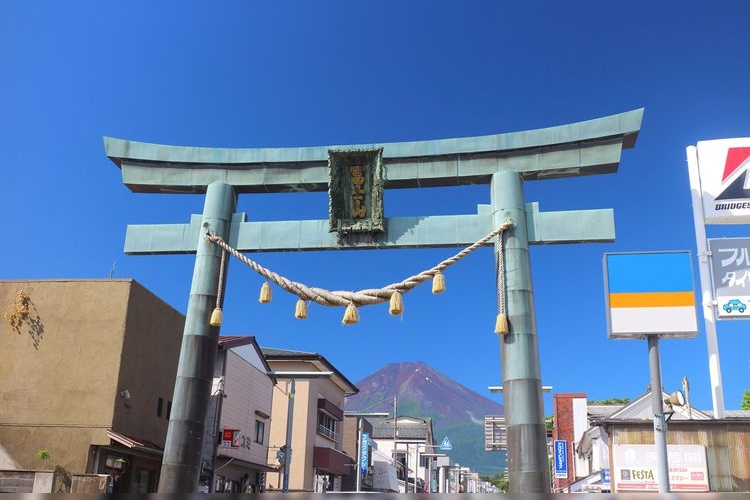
x,y
329,433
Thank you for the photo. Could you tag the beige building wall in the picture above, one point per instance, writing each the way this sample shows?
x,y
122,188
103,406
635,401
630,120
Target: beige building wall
x,y
61,374
302,430
305,435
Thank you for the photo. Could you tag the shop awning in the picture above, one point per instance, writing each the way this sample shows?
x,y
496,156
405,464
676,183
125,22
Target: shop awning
x,y
135,444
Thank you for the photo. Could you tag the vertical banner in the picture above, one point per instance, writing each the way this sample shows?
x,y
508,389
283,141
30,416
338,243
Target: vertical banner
x,y
561,458
364,460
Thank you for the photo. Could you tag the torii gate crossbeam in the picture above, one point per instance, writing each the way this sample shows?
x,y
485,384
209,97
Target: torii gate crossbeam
x,y
504,161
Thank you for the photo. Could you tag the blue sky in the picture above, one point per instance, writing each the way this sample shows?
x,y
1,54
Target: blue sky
x,y
285,74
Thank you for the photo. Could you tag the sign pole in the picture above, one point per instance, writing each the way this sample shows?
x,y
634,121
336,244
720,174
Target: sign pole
x,y
660,425
707,305
358,467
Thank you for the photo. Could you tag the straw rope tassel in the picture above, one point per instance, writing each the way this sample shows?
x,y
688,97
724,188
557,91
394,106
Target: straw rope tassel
x,y
501,323
300,310
217,316
438,283
396,306
265,293
351,300
351,315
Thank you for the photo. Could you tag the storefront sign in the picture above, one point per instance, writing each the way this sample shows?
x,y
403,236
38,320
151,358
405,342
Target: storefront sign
x,y
561,459
725,182
634,468
650,293
730,263
231,438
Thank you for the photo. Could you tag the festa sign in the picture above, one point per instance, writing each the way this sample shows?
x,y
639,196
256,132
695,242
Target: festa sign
x,y
634,468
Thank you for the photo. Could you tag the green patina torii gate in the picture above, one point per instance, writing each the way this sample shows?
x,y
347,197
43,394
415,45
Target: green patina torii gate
x,y
504,161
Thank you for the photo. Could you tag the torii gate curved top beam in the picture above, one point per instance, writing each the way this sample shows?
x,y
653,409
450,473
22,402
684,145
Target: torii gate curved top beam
x,y
503,161
583,148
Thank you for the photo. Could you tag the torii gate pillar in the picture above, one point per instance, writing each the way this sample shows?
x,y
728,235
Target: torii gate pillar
x,y
184,444
519,351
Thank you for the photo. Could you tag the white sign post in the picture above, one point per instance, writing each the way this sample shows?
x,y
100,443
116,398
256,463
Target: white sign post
x,y
720,192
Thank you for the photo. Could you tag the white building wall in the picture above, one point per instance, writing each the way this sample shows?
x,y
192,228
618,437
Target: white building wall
x,y
247,390
580,425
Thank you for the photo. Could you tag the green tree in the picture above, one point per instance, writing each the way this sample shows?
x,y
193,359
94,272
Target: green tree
x,y
611,401
745,404
498,480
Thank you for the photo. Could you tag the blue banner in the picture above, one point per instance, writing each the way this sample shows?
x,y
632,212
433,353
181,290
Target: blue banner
x,y
561,458
364,456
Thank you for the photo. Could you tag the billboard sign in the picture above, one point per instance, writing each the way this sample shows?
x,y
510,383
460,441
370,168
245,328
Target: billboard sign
x,y
561,458
634,468
730,266
650,293
725,182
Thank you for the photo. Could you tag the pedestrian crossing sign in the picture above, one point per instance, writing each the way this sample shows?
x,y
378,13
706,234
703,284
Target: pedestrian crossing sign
x,y
446,444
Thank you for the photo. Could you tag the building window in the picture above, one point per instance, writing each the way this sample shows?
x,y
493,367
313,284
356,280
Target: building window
x,y
260,430
400,464
159,407
327,426
169,409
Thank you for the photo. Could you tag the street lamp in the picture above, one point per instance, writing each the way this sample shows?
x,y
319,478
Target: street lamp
x,y
292,375
359,416
498,389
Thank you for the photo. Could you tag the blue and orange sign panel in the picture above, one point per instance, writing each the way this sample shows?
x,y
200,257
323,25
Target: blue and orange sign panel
x,y
650,293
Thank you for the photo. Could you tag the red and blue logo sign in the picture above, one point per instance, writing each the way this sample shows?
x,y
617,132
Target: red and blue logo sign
x,y
724,172
737,160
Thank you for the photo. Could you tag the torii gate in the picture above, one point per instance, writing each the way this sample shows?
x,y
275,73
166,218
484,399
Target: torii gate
x,y
504,161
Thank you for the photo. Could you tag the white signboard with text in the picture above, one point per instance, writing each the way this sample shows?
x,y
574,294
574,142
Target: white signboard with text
x,y
634,468
723,166
730,266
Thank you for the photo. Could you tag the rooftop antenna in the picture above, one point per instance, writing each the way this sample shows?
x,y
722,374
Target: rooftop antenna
x,y
111,270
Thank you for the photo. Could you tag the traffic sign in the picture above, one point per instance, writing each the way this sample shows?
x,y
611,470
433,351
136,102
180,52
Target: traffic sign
x,y
446,444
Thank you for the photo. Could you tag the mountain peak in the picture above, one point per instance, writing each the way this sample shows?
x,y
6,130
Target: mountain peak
x,y
438,396
422,391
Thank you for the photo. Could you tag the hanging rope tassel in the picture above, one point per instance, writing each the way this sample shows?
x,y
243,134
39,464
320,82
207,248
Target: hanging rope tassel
x,y
396,306
501,324
362,297
438,283
351,315
216,316
265,293
300,310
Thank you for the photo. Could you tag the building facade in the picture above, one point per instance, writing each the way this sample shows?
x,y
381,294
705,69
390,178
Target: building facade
x,y
87,370
318,461
570,421
408,441
238,421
